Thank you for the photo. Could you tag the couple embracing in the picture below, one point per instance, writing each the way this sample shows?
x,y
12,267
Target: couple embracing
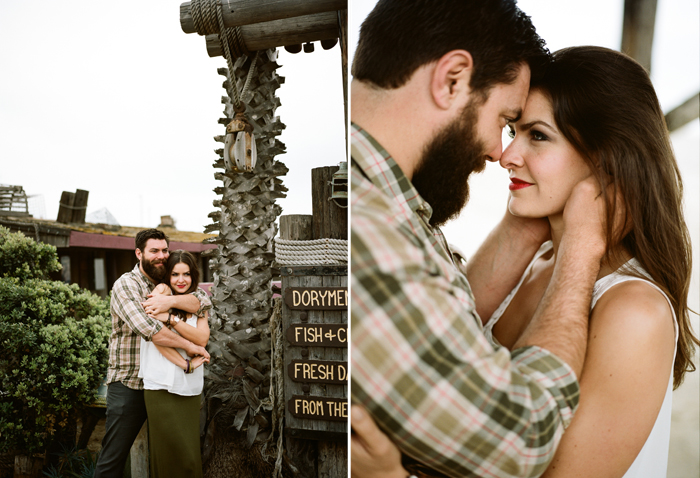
x,y
555,350
159,331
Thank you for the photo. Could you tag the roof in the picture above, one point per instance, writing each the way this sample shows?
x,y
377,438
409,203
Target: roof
x,y
102,236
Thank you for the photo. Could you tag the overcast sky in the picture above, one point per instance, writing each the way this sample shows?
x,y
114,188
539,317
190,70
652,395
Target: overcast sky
x,y
675,73
114,98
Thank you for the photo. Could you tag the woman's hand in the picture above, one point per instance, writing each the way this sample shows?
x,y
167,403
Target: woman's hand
x,y
163,317
157,304
197,361
372,454
536,230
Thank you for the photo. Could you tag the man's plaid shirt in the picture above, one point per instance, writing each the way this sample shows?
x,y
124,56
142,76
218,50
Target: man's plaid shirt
x,y
130,323
421,364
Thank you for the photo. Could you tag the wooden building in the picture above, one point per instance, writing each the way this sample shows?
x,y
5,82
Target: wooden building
x,y
95,255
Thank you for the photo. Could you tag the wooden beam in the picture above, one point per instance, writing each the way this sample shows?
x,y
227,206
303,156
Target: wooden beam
x,y
684,113
237,13
290,31
343,27
80,201
638,30
65,207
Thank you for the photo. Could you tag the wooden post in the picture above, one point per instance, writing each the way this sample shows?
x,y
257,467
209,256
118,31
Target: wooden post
x,y
79,206
684,113
302,453
343,35
139,454
311,443
28,466
330,220
289,31
65,208
296,227
246,12
638,30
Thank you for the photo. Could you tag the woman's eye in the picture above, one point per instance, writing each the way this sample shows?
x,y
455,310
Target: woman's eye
x,y
537,136
510,131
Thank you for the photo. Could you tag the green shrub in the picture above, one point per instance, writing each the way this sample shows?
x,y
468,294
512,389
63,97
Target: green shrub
x,y
23,257
53,350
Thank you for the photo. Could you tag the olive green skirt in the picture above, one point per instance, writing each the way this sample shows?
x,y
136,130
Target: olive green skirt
x,y
173,435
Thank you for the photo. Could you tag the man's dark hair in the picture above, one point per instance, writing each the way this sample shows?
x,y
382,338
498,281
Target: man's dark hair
x,y
400,36
143,236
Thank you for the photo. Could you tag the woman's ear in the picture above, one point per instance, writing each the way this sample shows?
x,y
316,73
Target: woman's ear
x,y
449,84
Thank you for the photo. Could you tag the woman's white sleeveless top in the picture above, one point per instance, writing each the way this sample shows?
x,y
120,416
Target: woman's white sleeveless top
x,y
159,373
652,460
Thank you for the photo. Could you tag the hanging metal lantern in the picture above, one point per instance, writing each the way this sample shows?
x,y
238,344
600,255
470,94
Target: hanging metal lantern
x,y
240,153
339,185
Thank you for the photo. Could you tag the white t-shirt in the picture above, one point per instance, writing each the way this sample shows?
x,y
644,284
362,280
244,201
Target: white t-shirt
x,y
652,460
158,373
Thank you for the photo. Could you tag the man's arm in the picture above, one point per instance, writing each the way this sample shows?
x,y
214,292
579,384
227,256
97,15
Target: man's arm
x,y
167,338
426,373
496,267
560,323
196,303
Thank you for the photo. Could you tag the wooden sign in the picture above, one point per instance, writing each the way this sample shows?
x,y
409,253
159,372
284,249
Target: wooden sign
x,y
318,371
316,298
319,408
318,335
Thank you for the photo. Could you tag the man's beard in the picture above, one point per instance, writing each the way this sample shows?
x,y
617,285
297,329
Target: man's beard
x,y
157,274
441,177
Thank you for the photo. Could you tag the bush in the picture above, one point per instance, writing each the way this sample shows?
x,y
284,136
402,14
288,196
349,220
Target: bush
x,y
53,348
23,257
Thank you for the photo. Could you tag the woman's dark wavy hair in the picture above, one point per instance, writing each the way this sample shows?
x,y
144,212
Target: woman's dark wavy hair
x,y
605,105
184,257
400,36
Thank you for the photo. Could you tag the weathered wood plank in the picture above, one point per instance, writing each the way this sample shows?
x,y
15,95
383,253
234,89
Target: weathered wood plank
x,y
684,113
330,220
638,22
79,206
261,36
296,225
343,29
65,208
246,12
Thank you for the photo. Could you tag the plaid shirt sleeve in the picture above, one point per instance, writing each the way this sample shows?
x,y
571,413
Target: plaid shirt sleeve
x,y
424,370
126,302
204,301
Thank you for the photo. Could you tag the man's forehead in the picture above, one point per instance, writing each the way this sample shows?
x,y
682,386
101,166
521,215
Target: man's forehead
x,y
156,244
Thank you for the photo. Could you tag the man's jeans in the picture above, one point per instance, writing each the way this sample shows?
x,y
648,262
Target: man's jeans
x,y
126,414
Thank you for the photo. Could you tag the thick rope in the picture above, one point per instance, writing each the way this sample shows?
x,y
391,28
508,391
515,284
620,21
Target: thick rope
x,y
208,18
204,17
315,252
277,384
224,37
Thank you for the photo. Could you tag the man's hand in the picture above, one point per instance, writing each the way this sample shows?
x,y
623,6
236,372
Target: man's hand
x,y
195,351
372,454
157,304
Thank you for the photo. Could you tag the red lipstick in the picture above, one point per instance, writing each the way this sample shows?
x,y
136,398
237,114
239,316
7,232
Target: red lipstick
x,y
516,184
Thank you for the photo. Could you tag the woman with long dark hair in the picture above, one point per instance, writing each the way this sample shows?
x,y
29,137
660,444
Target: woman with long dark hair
x,y
173,381
596,113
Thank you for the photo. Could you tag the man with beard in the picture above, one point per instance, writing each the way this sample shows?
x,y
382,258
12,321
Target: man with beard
x,y
126,410
435,82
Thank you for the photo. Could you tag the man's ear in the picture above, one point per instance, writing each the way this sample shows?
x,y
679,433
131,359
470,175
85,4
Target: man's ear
x,y
138,254
450,79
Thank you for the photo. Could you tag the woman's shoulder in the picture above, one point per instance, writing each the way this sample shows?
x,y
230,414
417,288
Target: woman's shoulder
x,y
634,314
